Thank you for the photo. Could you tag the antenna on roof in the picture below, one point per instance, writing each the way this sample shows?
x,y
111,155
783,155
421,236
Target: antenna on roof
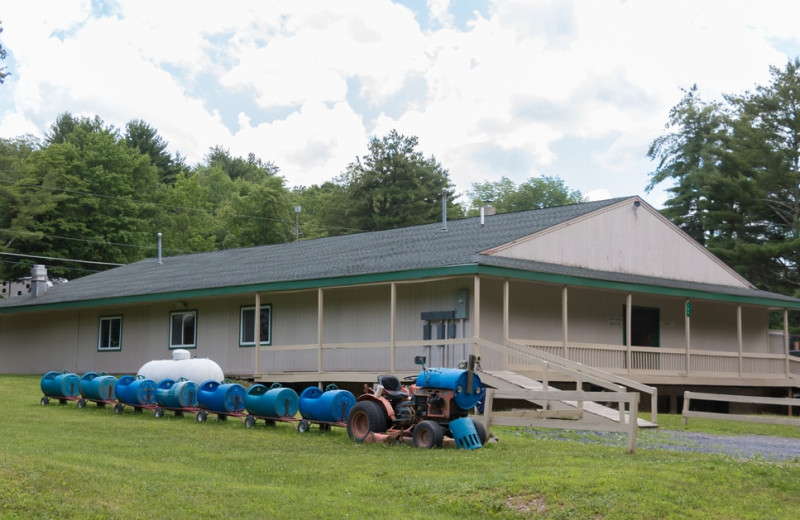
x,y
444,209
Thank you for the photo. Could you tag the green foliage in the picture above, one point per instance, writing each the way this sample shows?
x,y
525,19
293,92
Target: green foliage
x,y
62,462
394,185
735,166
144,138
535,193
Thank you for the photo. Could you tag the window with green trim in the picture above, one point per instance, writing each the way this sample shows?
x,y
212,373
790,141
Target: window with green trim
x,y
183,329
247,325
109,335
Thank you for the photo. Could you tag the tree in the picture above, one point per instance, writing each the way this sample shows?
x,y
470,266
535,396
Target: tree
x,y
104,186
143,137
251,169
394,185
535,193
736,172
3,72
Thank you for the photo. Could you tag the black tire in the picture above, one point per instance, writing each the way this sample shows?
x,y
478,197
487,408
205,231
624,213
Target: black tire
x,y
158,413
201,416
428,434
480,430
303,426
249,422
81,403
118,408
45,401
366,417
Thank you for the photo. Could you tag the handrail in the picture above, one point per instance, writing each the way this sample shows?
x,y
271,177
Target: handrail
x,y
578,369
602,382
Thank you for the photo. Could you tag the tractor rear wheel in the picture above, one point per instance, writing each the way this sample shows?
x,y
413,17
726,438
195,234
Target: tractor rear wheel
x,y
365,417
428,434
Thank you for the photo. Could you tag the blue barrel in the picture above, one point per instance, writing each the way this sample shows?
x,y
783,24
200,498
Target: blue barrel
x,y
137,392
455,380
98,387
465,434
177,394
332,405
60,384
221,397
273,402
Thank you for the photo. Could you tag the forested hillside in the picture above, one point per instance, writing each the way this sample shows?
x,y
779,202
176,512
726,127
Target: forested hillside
x,y
89,196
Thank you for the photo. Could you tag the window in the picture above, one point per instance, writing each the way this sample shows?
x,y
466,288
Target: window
x,y
109,336
247,324
183,329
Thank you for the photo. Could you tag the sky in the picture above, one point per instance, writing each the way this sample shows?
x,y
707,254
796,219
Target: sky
x,y
509,88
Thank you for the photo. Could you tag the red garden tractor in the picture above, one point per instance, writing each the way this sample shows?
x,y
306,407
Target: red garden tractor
x,y
424,413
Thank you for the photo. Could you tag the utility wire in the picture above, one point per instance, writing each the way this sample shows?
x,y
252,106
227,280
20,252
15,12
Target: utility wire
x,y
60,259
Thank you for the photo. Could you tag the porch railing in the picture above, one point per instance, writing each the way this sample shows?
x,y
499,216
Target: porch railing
x,y
664,361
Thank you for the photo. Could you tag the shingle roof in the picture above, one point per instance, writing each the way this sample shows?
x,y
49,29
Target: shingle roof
x,y
390,251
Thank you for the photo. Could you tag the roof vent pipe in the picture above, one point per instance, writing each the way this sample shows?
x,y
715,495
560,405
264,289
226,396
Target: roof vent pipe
x,y
444,209
159,249
38,280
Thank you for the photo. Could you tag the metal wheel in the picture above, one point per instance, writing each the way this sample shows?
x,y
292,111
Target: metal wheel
x,y
118,408
249,421
428,434
365,417
158,413
45,401
303,426
201,416
81,403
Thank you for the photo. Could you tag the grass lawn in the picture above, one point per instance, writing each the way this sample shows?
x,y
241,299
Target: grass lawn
x,y
64,462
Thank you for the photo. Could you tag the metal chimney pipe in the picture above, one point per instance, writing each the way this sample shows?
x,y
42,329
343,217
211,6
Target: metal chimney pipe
x,y
444,209
159,249
38,280
483,215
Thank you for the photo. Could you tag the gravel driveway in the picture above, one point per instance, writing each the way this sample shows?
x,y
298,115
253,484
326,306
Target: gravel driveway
x,y
739,446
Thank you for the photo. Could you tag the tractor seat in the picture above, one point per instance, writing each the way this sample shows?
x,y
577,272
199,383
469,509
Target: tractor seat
x,y
391,385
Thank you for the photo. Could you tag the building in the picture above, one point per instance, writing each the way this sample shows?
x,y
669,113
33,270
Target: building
x,y
609,284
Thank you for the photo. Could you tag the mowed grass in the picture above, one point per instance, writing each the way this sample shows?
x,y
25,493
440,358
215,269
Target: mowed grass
x,y
64,462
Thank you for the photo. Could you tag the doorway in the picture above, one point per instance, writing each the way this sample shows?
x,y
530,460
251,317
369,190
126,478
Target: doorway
x,y
645,332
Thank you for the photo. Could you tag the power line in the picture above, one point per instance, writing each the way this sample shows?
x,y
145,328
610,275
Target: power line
x,y
60,259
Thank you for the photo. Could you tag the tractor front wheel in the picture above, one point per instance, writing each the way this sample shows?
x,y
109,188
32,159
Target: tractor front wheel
x,y
428,434
365,417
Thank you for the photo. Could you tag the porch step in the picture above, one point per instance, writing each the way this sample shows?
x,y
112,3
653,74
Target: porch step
x,y
506,379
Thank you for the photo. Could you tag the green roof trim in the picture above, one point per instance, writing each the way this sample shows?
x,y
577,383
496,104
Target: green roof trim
x,y
721,295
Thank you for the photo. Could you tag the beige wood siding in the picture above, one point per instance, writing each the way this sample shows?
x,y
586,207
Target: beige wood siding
x,y
626,239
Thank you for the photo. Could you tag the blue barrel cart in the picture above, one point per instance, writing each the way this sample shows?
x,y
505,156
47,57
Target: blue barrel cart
x,y
136,391
97,388
63,386
272,404
178,397
222,398
326,409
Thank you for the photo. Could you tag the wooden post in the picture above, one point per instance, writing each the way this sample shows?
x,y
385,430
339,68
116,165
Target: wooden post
x,y
476,315
739,335
786,340
628,328
393,326
319,330
505,311
687,322
564,319
257,334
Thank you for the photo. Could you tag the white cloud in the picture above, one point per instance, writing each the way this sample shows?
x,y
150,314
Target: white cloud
x,y
498,97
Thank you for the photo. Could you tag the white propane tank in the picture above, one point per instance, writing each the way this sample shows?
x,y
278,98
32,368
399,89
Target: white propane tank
x,y
182,365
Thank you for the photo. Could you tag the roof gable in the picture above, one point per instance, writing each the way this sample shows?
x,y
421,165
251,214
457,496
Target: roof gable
x,y
628,237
